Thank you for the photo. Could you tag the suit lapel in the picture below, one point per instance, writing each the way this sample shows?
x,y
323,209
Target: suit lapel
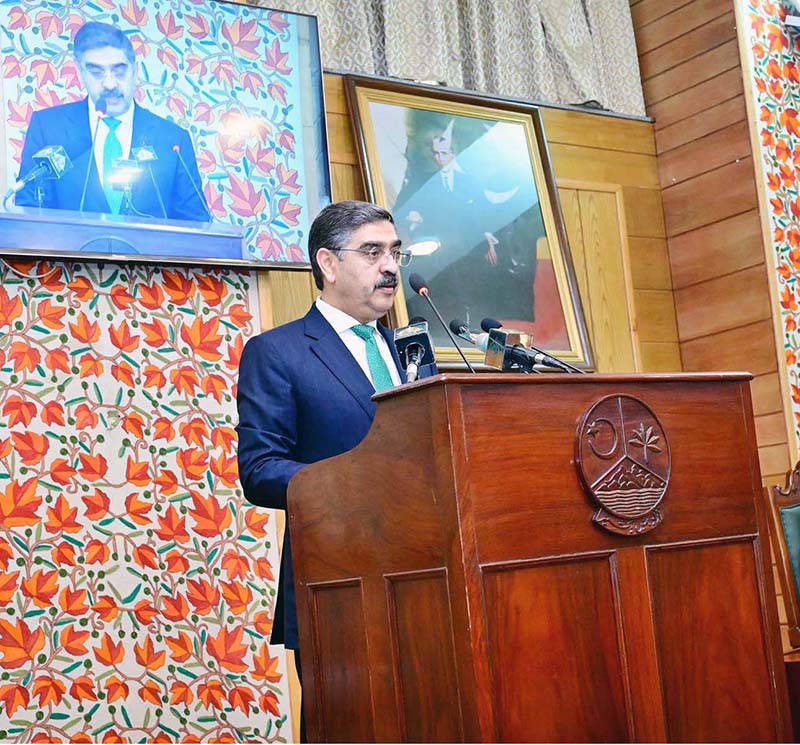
x,y
326,344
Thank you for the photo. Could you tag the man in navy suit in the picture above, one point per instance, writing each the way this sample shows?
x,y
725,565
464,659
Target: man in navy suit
x,y
305,388
165,187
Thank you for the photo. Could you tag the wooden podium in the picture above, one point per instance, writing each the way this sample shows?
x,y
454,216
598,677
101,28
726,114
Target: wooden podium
x,y
542,558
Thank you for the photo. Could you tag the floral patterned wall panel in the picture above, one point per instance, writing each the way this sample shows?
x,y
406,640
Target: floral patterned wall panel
x,y
774,65
229,74
136,584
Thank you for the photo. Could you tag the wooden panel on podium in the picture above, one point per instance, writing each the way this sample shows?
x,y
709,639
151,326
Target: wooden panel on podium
x,y
542,558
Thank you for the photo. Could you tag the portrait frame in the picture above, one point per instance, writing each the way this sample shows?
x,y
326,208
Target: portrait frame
x,y
386,116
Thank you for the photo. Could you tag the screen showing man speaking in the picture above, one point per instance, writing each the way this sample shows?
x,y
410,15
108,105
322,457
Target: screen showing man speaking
x,y
207,113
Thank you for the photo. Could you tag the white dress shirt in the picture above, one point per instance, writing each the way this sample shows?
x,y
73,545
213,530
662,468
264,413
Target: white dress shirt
x,y
124,135
343,325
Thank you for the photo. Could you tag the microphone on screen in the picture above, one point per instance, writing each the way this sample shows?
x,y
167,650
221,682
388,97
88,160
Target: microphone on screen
x,y
99,113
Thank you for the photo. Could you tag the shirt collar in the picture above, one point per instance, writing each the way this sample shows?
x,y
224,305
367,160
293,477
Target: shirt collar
x,y
340,320
126,118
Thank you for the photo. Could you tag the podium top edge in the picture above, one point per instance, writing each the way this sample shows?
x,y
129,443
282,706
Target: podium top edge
x,y
460,378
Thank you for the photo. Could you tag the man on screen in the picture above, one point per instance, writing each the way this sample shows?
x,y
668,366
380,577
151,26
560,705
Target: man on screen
x,y
142,164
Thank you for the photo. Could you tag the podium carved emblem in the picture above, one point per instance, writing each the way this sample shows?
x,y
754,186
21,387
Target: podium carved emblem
x,y
623,458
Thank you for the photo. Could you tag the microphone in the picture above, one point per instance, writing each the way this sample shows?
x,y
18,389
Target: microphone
x,y
415,348
177,150
507,350
461,330
421,288
51,161
99,112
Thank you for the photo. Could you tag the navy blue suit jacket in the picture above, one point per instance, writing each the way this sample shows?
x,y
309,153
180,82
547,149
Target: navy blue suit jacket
x,y
302,397
68,125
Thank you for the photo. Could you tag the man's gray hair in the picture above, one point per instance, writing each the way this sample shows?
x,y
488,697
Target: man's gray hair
x,y
96,35
333,227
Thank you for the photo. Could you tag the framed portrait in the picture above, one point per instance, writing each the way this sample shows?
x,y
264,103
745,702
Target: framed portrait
x,y
469,183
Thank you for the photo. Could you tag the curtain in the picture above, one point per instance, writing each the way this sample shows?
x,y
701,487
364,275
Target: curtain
x,y
551,51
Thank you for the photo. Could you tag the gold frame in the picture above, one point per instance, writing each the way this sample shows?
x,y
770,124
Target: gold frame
x,y
363,91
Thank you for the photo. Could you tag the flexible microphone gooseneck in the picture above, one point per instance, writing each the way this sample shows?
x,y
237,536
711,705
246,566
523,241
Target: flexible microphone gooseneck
x,y
177,150
99,113
421,288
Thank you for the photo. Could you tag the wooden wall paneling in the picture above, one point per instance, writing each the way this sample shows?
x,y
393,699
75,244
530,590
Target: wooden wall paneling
x,y
699,98
700,124
729,245
604,166
686,47
649,263
341,145
765,390
710,197
335,100
685,18
738,349
723,303
644,212
608,285
606,132
717,149
346,182
655,315
771,429
661,356
266,316
774,458
690,72
290,294
647,11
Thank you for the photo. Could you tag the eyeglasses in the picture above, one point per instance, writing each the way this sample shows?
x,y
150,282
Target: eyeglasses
x,y
375,255
99,72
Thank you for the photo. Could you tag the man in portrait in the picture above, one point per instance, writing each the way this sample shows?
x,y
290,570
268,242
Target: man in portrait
x,y
485,218
161,171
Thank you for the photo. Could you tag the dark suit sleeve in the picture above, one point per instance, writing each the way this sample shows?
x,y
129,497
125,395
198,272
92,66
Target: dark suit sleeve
x,y
187,201
268,424
34,141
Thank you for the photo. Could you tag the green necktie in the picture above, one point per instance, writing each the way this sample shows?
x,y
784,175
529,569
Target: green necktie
x,y
381,377
112,149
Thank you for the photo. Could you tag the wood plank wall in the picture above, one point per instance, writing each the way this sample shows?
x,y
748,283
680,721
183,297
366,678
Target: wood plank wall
x,y
693,87
607,173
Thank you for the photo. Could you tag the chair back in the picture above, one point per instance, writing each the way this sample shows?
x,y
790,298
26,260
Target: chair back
x,y
784,530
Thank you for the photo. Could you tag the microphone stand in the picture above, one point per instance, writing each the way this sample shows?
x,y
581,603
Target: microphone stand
x,y
424,292
99,114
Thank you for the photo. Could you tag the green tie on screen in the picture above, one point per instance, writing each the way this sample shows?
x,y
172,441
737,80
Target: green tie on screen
x,y
111,151
381,377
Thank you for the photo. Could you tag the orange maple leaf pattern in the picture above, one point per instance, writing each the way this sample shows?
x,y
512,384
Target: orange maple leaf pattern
x,y
773,77
124,539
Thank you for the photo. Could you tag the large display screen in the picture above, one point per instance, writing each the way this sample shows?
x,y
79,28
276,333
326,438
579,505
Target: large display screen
x,y
163,130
